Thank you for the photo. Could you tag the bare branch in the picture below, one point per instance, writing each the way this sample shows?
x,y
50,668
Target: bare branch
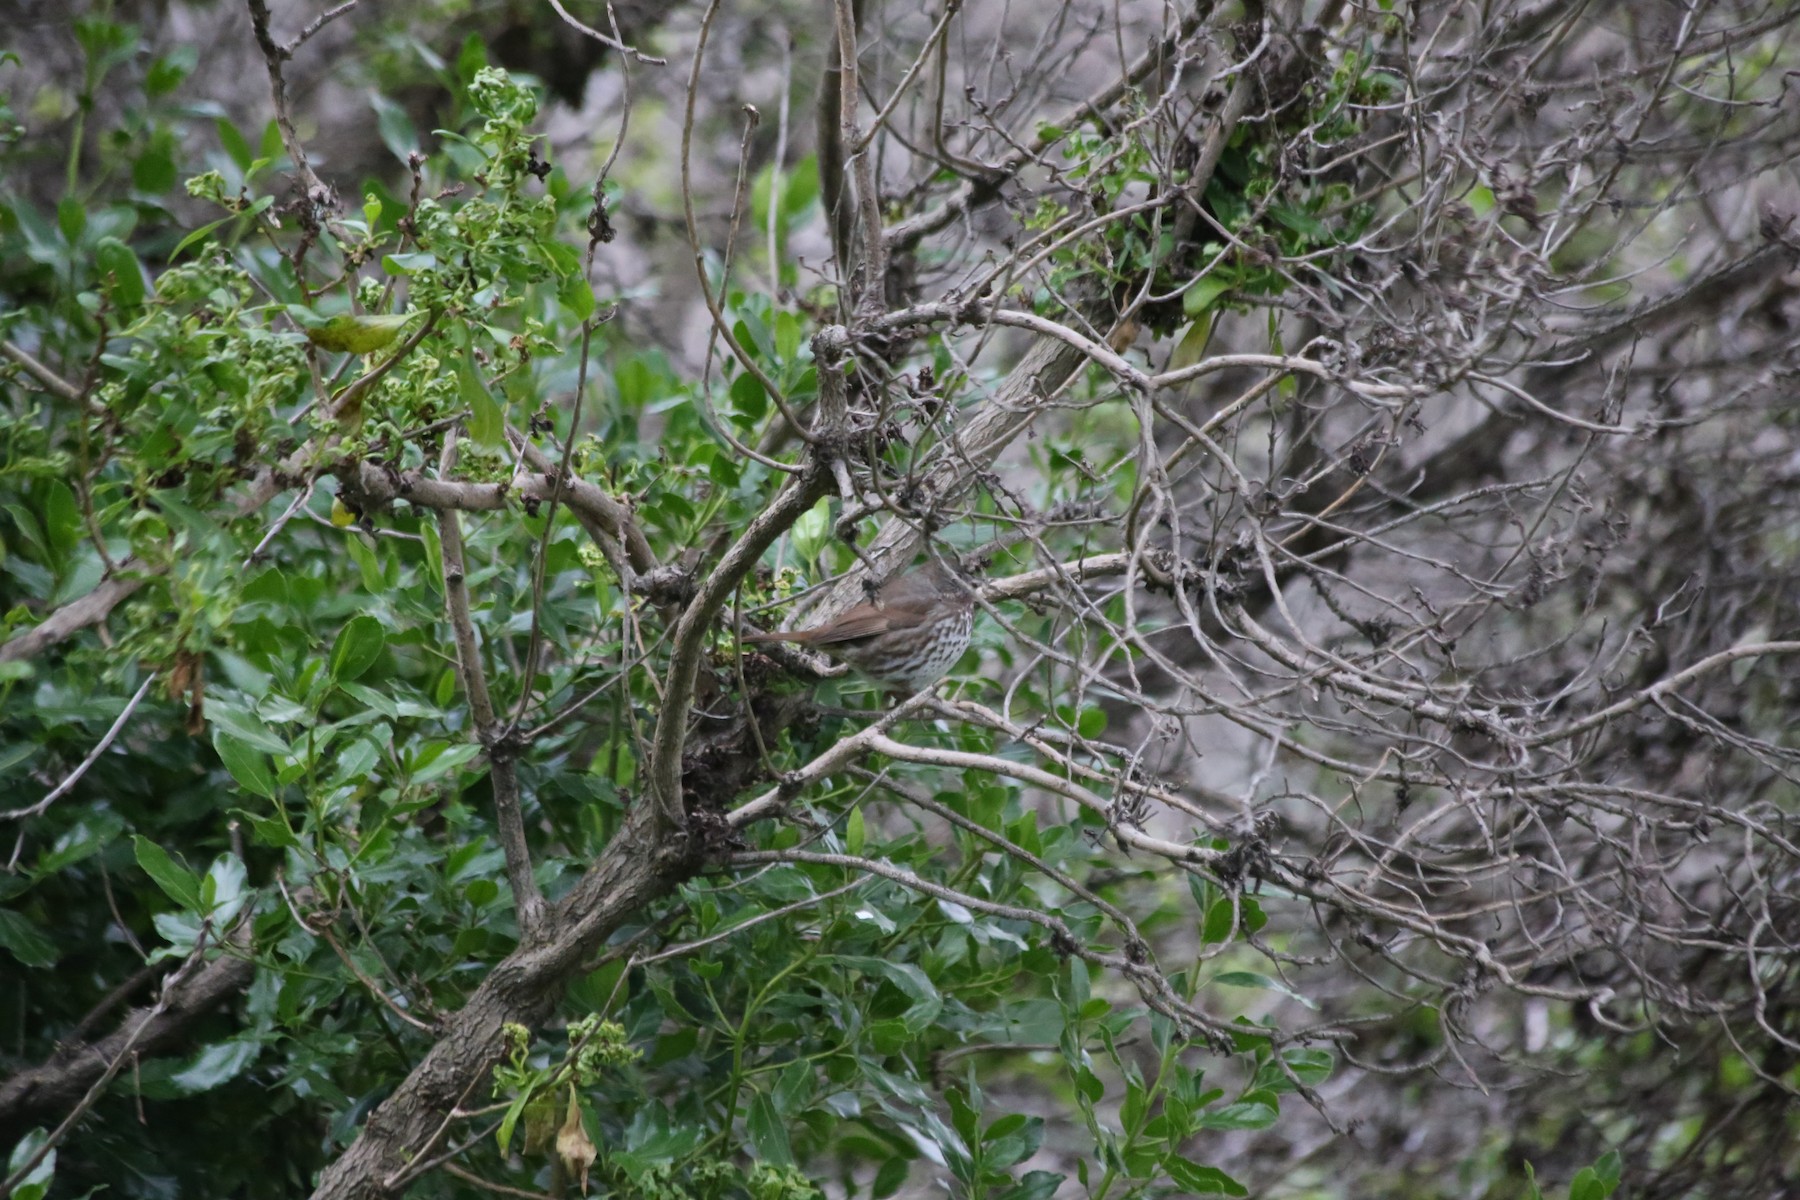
x,y
502,751
112,734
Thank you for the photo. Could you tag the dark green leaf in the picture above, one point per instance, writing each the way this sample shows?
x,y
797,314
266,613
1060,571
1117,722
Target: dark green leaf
x,y
247,764
246,726
214,1065
268,831
487,426
1037,1185
397,131
409,264
197,235
177,882
235,144
114,259
1238,1116
37,1181
888,1178
71,218
153,170
1199,1180
27,942
768,1133
1252,979
166,73
358,645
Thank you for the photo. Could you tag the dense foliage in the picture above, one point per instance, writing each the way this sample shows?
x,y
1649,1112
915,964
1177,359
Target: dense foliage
x,y
1365,428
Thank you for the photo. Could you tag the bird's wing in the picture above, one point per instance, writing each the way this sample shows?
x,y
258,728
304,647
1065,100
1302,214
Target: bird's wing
x,y
865,620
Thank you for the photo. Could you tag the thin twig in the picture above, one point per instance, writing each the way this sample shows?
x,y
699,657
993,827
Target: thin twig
x,y
317,23
528,899
773,914
62,789
141,1024
603,39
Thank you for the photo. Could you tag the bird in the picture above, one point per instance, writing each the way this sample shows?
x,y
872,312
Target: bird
x,y
907,636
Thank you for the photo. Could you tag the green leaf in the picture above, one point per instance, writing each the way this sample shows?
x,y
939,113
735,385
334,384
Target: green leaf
x,y
14,755
397,131
86,838
37,1182
1300,221
222,892
379,701
889,1177
247,764
853,832
507,1123
153,171
487,425
601,990
1191,1177
1251,979
577,296
359,643
1220,919
768,1132
215,1065
800,188
268,831
411,263
811,530
27,942
1037,1185
114,258
749,399
366,565
447,758
794,1090
246,727
1598,1181
71,219
1237,1116
1202,293
167,72
1020,1140
177,882
196,236
237,147
915,983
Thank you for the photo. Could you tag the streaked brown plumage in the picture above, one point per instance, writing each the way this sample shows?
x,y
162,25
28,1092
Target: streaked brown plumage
x,y
907,637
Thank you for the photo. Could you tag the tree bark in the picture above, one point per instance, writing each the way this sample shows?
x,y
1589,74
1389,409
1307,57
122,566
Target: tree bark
x,y
58,1084
634,871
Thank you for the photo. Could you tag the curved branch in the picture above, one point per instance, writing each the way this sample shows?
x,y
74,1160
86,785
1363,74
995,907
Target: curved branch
x,y
639,866
502,752
374,487
76,615
797,495
73,1071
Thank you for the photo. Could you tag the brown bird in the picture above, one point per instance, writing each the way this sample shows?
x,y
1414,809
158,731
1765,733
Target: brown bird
x,y
906,637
